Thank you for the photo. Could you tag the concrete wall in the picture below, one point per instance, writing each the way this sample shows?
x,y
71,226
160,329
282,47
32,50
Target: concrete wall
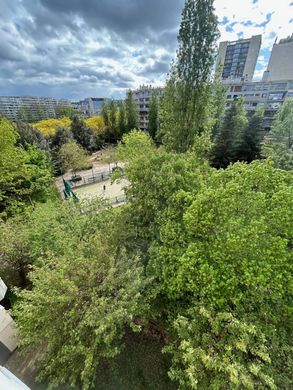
x,y
252,57
8,333
281,63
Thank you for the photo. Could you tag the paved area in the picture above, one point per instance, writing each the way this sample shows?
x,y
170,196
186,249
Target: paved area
x,y
104,189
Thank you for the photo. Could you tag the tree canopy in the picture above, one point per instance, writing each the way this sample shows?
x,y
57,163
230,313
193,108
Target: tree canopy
x,y
25,175
279,143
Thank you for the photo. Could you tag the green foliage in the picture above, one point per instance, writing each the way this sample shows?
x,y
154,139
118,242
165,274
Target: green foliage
x,y
153,117
65,111
85,291
29,135
218,101
185,104
62,136
14,252
132,117
114,117
228,249
83,134
33,113
249,146
218,351
72,156
230,135
25,176
155,176
279,145
122,119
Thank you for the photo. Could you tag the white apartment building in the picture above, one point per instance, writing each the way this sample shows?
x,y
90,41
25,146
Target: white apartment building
x,y
239,58
142,97
14,107
280,67
271,95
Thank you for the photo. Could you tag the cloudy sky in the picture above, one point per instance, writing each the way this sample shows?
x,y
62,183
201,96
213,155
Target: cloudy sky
x,y
79,48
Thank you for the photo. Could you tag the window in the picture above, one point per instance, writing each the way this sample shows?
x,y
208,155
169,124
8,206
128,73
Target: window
x,y
276,95
238,88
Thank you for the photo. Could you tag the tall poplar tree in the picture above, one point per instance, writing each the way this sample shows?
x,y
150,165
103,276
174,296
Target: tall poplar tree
x,y
122,119
131,112
153,116
185,110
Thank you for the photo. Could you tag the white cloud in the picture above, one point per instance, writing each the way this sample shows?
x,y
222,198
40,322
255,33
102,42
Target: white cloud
x,y
271,18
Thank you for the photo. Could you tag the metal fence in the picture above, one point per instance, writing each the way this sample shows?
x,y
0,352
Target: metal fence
x,y
118,200
92,178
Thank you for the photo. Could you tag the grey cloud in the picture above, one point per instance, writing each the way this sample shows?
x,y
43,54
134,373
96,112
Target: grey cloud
x,y
66,47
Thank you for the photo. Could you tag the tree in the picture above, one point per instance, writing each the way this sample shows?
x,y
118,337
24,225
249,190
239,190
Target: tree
x,y
131,112
230,136
218,101
29,135
185,103
212,351
155,176
34,112
72,156
48,127
249,147
83,135
227,249
105,113
153,116
96,123
122,119
82,300
279,145
113,118
62,136
65,111
25,176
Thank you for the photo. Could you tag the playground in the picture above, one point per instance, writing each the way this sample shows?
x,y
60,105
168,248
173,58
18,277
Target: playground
x,y
113,192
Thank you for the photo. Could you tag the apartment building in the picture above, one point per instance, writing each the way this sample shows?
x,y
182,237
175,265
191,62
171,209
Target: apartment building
x,y
142,97
280,67
270,94
90,106
239,58
31,108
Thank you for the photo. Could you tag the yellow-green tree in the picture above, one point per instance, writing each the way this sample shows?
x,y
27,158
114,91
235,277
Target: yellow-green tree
x,y
48,127
25,175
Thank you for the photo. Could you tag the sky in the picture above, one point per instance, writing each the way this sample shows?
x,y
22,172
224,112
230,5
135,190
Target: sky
x,y
80,48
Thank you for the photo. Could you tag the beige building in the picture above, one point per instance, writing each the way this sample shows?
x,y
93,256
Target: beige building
x,y
280,66
142,97
239,58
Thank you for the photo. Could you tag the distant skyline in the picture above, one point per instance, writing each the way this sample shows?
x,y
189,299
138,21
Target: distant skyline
x,y
79,48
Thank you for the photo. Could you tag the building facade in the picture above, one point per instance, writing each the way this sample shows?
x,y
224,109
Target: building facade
x,y
142,97
270,94
90,106
239,58
30,108
280,67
